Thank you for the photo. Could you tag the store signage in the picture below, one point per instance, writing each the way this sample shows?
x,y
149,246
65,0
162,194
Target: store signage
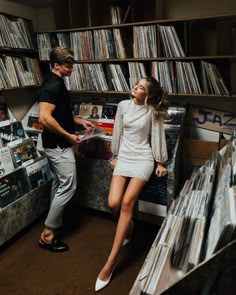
x,y
223,122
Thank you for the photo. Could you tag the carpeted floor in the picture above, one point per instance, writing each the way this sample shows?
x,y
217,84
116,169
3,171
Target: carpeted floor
x,y
26,269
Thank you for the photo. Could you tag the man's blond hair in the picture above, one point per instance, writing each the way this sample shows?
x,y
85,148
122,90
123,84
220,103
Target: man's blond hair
x,y
62,55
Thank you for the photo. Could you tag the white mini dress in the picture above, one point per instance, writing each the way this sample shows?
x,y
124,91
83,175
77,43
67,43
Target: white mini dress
x,y
138,139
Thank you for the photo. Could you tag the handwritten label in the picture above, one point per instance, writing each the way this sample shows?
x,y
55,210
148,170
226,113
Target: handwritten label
x,y
223,122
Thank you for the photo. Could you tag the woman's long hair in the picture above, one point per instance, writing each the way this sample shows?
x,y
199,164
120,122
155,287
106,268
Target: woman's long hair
x,y
157,98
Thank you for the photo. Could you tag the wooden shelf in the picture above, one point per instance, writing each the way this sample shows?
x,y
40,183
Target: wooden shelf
x,y
146,59
20,88
18,51
191,70
171,95
145,23
217,102
19,59
34,203
210,96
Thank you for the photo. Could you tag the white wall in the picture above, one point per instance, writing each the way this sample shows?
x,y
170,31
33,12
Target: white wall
x,y
43,19
17,9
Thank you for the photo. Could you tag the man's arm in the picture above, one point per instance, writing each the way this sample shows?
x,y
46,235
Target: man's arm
x,y
49,123
85,123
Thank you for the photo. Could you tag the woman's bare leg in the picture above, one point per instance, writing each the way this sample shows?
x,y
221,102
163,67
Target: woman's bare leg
x,y
117,188
126,212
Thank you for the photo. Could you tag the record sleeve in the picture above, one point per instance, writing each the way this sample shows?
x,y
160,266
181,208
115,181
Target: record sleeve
x,y
90,111
13,186
23,151
6,163
176,116
109,111
39,172
33,122
11,131
89,133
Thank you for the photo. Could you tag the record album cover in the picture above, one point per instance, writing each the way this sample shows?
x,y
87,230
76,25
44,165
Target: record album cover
x,y
10,131
23,151
109,111
6,163
33,122
13,186
39,172
90,111
89,133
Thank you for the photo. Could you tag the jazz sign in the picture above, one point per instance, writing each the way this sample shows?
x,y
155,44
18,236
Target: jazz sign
x,y
223,122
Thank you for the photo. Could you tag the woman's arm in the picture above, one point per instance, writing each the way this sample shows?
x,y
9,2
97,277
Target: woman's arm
x,y
117,131
159,148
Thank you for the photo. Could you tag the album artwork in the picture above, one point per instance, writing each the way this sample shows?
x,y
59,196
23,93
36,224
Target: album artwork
x,y
75,109
109,111
13,186
10,131
34,135
23,151
107,125
39,172
33,122
90,111
6,163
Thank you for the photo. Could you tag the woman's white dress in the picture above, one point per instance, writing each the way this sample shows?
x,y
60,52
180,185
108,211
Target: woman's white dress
x,y
138,139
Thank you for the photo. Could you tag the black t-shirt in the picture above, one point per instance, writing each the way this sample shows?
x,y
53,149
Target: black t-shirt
x,y
53,91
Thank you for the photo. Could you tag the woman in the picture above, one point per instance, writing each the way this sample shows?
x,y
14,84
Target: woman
x,y
138,139
94,114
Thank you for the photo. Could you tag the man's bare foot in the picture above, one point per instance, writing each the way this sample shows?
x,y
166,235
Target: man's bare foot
x,y
47,235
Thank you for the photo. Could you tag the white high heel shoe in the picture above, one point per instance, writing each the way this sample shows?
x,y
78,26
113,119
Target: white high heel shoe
x,y
126,242
102,284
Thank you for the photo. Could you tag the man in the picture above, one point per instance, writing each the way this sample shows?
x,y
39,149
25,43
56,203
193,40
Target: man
x,y
58,138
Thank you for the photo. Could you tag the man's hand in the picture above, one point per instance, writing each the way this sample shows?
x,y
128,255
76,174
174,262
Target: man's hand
x,y
74,139
85,123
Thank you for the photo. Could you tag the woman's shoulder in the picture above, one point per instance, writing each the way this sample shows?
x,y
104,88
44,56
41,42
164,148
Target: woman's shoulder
x,y
124,103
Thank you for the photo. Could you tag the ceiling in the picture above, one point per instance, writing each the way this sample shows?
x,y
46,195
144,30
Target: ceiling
x,y
34,3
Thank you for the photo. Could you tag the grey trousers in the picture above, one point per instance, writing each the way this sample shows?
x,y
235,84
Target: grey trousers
x,y
62,161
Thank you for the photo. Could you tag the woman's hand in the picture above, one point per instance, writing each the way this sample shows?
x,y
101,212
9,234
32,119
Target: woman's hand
x,y
113,163
160,170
